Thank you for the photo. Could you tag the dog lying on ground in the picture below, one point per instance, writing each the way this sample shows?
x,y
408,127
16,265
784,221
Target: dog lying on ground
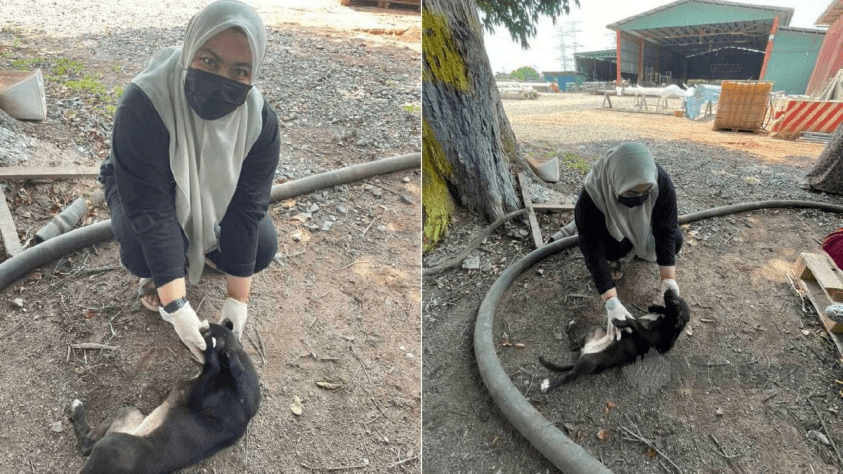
x,y
658,330
199,417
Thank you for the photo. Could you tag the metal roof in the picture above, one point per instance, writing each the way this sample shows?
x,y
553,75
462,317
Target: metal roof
x,y
832,13
692,27
602,54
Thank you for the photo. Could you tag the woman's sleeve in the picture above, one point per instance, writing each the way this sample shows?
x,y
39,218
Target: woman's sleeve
x,y
664,220
239,226
591,228
141,157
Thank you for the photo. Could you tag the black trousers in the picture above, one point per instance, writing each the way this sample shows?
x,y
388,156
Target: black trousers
x,y
131,251
616,250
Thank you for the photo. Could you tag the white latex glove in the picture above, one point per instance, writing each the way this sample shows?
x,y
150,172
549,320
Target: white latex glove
x,y
235,311
616,310
187,326
667,284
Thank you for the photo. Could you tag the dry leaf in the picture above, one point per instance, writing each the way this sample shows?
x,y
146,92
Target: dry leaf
x,y
89,314
329,385
520,346
651,452
603,434
495,440
295,407
505,343
301,217
289,203
609,407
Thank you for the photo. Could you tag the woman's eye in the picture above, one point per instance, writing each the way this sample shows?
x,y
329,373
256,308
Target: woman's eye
x,y
208,61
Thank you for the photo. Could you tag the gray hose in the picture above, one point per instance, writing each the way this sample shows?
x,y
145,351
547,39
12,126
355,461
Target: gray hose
x,y
549,440
344,175
33,257
68,219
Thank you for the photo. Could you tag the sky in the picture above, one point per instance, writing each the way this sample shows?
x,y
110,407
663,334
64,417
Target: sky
x,y
506,55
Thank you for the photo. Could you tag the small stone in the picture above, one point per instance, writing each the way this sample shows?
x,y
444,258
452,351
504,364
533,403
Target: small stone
x,y
382,228
342,209
540,272
406,199
326,226
17,302
813,434
523,233
471,263
314,208
295,407
56,427
718,411
405,179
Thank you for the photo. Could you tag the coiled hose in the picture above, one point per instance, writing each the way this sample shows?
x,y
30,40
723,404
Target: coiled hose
x,y
48,250
565,454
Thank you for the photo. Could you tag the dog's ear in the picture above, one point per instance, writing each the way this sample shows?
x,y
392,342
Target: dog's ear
x,y
227,323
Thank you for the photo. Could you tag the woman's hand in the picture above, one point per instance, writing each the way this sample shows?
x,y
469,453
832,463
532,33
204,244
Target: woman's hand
x,y
188,327
236,312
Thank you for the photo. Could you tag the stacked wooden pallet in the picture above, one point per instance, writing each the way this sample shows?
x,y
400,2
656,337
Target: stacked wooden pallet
x,y
821,280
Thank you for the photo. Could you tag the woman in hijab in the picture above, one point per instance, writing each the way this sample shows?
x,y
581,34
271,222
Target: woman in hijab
x,y
627,208
193,156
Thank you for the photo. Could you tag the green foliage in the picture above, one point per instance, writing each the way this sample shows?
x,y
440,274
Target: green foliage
x,y
16,42
26,64
67,67
412,108
575,162
89,83
519,17
525,74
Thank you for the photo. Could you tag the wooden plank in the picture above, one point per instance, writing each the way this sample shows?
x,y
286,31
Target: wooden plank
x,y
25,172
9,233
820,268
531,213
554,207
820,301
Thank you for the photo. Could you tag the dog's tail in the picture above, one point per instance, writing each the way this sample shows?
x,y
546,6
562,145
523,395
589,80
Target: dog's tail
x,y
555,367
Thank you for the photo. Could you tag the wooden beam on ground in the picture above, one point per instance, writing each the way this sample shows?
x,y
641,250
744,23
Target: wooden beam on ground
x,y
554,207
40,172
531,213
8,232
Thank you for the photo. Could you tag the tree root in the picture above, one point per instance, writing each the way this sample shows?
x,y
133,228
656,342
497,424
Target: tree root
x,y
473,244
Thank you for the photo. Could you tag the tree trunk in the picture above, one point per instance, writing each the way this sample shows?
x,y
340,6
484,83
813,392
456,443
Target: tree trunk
x,y
827,173
468,145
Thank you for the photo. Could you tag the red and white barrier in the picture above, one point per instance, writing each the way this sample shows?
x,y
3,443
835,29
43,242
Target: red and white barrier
x,y
799,116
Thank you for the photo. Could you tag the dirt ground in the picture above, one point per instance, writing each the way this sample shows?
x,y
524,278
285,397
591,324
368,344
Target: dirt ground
x,y
339,304
747,384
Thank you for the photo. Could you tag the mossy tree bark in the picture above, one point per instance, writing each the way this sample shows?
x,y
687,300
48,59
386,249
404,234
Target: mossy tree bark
x,y
827,172
469,148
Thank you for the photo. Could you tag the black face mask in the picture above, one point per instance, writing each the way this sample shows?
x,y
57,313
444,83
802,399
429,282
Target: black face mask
x,y
212,96
633,201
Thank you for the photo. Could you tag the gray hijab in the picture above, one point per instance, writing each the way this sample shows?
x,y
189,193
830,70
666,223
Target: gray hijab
x,y
205,156
621,169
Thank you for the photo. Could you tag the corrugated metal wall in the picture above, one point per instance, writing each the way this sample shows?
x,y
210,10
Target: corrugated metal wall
x,y
629,54
793,58
830,58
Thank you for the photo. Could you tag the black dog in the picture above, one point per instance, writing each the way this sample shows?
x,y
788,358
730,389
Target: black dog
x,y
200,416
658,330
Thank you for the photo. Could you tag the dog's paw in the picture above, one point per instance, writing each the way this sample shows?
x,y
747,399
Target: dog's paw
x,y
545,385
76,408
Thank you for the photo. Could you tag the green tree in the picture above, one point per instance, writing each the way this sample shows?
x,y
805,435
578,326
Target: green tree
x,y
468,147
525,74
